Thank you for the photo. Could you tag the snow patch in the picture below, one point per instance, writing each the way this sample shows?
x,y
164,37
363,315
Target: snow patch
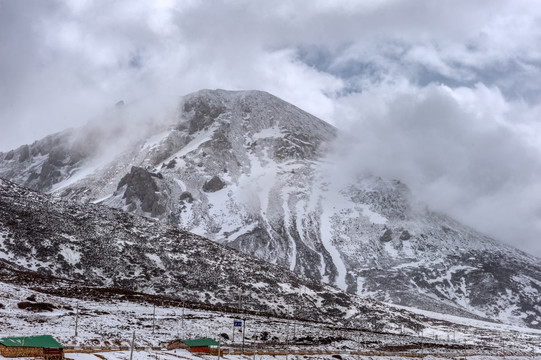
x,y
272,132
374,217
71,256
200,138
327,234
156,259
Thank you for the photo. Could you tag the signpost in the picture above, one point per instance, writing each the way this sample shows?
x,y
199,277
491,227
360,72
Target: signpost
x,y
236,323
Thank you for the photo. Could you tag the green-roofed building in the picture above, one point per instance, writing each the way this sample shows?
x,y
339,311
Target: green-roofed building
x,y
31,346
200,345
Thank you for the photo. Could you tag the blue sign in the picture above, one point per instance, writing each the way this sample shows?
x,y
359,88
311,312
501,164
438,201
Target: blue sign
x,y
237,323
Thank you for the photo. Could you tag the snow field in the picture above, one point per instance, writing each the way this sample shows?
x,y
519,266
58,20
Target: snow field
x,y
110,324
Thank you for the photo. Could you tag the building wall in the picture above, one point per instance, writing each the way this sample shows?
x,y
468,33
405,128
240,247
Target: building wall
x,y
214,351
15,351
177,344
53,351
199,349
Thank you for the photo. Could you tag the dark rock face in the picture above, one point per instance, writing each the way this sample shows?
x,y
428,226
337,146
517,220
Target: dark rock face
x,y
24,153
140,187
171,164
49,175
204,113
214,184
9,155
405,235
186,196
387,236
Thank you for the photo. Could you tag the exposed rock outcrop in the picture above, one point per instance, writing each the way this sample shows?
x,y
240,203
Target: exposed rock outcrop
x,y
141,190
214,184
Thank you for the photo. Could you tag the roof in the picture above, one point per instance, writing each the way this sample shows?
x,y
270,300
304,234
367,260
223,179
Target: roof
x,y
43,341
200,342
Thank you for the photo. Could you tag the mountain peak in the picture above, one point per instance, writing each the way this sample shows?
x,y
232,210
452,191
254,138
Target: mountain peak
x,y
204,106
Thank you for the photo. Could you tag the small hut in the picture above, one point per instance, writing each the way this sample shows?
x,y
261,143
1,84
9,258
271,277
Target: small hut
x,y
200,345
31,346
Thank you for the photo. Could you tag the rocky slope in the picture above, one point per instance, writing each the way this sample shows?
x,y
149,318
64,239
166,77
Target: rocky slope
x,y
81,247
250,171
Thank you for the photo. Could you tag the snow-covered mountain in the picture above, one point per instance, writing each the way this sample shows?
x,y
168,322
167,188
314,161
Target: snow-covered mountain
x,y
128,273
257,174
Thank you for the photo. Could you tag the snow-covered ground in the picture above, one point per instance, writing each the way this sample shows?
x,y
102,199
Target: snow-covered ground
x,y
468,321
184,354
111,324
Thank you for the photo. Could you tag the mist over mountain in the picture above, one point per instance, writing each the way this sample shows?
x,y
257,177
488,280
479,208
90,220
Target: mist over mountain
x,y
250,171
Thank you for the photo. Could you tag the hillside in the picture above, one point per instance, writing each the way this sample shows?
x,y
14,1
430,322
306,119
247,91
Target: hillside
x,y
109,248
86,317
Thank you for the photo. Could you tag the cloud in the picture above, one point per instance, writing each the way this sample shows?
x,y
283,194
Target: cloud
x,y
458,149
68,61
442,94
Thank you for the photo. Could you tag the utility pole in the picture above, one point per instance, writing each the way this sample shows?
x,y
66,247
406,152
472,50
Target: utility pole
x,y
287,325
182,322
132,345
243,332
287,334
240,301
358,350
287,349
422,343
76,319
153,318
239,310
294,323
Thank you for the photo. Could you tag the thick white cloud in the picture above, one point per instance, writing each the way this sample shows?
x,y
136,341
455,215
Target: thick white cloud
x,y
442,94
460,150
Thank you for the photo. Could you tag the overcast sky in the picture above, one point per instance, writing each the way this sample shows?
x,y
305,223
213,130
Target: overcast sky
x,y
443,95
